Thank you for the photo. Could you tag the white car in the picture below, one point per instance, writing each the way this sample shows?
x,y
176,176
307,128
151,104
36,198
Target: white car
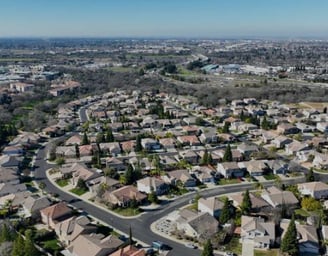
x,y
189,245
229,254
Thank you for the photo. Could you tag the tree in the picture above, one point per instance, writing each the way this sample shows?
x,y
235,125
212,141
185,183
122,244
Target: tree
x,y
152,197
85,140
138,146
310,204
226,127
310,176
208,249
29,247
77,151
81,184
289,243
112,173
18,246
246,204
100,137
206,158
128,176
6,233
109,135
265,125
227,157
225,213
130,236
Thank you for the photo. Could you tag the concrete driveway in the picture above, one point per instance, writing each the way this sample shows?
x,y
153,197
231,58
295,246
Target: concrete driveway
x,y
248,248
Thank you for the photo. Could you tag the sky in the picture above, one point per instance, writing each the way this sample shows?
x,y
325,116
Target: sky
x,y
164,18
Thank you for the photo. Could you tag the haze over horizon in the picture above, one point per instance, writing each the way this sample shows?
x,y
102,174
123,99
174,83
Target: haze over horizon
x,y
158,19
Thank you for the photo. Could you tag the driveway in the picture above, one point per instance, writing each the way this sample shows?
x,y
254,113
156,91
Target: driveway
x,y
248,248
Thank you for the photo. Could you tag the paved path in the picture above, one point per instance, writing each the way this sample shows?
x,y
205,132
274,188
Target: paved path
x,y
248,248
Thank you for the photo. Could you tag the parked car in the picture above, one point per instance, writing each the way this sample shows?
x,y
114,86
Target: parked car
x,y
190,245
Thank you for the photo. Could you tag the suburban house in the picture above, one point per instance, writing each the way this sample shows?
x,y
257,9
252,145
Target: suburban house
x,y
150,144
189,156
74,140
68,230
152,184
281,141
8,175
247,149
8,188
182,176
277,197
321,161
205,174
316,189
254,167
287,128
94,244
211,205
308,242
199,225
128,250
110,148
188,140
322,127
123,196
33,204
53,214
115,164
230,170
277,166
296,146
257,230
258,203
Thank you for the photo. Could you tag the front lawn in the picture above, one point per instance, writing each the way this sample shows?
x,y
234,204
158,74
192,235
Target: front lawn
x,y
51,245
78,191
272,252
228,181
269,176
127,211
62,182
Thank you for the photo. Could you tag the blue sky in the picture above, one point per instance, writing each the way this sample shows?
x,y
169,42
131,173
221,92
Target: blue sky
x,y
164,18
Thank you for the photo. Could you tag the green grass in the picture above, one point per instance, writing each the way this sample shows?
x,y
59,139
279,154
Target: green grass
x,y
302,212
121,69
228,181
62,182
52,245
269,176
78,191
234,246
127,211
274,252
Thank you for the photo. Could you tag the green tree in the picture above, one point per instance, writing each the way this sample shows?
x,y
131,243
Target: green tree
x,y
225,214
81,184
152,197
77,151
311,204
138,146
131,242
206,158
265,125
128,175
227,157
310,176
85,139
109,135
18,246
29,247
100,137
208,249
246,204
289,243
226,127
6,233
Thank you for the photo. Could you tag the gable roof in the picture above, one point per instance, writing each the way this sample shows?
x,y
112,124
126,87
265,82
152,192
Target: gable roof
x,y
57,210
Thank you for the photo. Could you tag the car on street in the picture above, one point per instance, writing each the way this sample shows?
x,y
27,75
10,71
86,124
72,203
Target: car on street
x,y
190,245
